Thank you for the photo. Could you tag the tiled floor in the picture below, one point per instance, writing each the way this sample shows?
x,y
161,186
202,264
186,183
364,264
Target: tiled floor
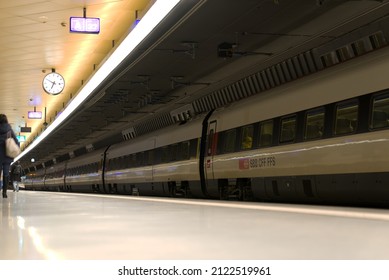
x,y
40,225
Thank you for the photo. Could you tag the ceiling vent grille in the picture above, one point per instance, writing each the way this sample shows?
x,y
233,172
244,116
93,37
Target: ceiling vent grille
x,y
182,114
273,76
359,47
158,122
128,133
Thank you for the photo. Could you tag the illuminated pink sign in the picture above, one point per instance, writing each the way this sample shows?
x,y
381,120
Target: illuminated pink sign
x,y
34,114
85,25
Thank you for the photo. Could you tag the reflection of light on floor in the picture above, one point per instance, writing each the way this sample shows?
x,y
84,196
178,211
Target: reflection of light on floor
x,y
285,208
36,239
21,222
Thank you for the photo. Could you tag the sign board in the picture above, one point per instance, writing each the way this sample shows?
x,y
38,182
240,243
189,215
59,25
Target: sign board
x,y
26,129
85,25
34,115
21,138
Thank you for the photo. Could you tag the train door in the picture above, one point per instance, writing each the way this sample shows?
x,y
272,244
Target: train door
x,y
206,156
102,168
62,175
211,150
211,183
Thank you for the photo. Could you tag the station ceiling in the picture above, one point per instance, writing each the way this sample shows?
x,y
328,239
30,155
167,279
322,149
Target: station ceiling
x,y
177,64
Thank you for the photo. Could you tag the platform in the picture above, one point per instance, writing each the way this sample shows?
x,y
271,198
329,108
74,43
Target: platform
x,y
65,226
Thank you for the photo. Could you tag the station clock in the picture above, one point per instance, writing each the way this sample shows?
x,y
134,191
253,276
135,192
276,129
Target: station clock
x,y
53,83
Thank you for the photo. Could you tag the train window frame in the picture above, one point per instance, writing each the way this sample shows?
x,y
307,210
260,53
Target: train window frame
x,y
140,158
157,155
174,150
246,137
261,132
124,161
121,163
150,157
284,121
229,135
194,148
378,97
347,126
319,128
109,165
185,150
164,154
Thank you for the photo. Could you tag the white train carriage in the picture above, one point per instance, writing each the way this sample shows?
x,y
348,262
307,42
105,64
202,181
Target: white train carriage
x,y
318,139
155,164
54,179
35,180
84,174
127,167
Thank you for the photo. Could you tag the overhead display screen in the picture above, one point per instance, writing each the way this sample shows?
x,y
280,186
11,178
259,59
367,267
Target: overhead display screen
x,y
85,25
25,129
34,114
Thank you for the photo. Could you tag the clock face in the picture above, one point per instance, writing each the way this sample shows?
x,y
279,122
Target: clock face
x,y
53,83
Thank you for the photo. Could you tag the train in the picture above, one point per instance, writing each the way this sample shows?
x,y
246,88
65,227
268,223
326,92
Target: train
x,y
323,139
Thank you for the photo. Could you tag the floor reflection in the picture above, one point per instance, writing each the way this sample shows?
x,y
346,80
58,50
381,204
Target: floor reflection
x,y
18,239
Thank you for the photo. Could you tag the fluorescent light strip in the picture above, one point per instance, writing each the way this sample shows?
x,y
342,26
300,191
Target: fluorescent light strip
x,y
150,20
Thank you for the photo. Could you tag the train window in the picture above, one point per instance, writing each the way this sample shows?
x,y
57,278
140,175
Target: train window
x,y
247,137
314,124
266,133
380,112
173,152
133,162
150,157
157,156
288,129
229,141
178,152
210,142
145,158
185,150
121,163
346,117
126,161
96,167
110,167
164,154
193,147
139,159
116,163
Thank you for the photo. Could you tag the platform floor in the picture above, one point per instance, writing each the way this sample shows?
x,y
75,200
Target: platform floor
x,y
43,225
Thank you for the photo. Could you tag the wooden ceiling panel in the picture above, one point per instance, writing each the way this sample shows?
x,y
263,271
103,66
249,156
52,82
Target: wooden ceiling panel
x,y
35,37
